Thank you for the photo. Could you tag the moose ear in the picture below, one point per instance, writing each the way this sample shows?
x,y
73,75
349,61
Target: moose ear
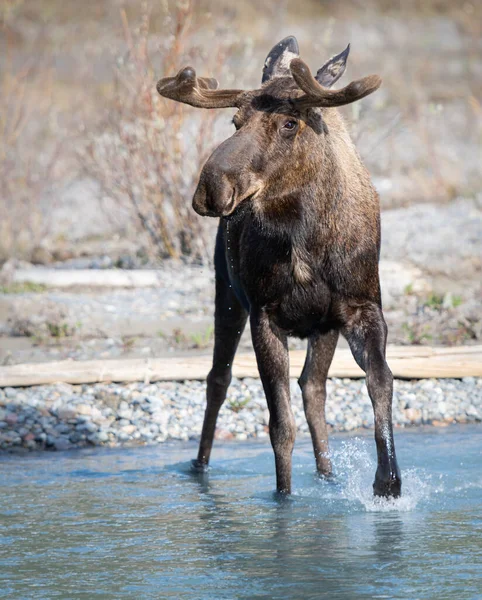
x,y
277,63
333,69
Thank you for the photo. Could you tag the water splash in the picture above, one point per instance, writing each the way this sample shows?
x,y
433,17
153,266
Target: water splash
x,y
355,468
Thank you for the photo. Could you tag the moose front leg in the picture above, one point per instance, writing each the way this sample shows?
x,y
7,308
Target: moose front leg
x,y
366,332
229,322
321,348
271,348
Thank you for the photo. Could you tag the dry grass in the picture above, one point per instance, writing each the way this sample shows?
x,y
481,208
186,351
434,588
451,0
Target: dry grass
x,y
25,173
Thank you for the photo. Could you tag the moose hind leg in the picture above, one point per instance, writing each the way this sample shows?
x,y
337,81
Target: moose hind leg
x,y
229,322
321,348
366,333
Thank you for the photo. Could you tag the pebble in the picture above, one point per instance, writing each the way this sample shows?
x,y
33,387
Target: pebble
x,y
66,413
65,416
61,443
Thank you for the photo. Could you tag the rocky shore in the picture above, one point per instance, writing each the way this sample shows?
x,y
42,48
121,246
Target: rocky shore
x,y
59,417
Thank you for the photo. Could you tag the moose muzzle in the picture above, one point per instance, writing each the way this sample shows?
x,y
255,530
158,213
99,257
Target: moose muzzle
x,y
227,178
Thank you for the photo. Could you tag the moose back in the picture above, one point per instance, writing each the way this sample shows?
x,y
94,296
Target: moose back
x,y
297,248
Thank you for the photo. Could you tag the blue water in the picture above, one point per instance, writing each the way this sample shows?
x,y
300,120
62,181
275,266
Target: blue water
x,y
134,523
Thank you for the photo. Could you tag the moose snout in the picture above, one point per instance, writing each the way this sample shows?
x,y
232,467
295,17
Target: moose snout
x,y
225,179
214,195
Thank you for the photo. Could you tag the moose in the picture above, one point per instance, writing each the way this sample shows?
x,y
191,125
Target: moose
x,y
296,251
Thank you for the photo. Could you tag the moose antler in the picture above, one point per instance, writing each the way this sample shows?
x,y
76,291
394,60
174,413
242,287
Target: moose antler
x,y
317,95
197,91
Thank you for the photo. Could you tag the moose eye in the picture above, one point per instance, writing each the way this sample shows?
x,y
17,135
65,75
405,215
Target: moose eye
x,y
290,125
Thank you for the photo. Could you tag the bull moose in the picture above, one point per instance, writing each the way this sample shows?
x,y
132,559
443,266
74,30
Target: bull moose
x,y
297,248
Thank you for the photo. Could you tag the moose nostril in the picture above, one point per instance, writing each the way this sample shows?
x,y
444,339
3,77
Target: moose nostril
x,y
187,74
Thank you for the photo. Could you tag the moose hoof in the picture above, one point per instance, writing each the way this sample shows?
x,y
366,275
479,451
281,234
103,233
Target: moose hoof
x,y
326,475
198,466
388,488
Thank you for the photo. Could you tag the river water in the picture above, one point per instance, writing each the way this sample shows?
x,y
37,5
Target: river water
x,y
135,523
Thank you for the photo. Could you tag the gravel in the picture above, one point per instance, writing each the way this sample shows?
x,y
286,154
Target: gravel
x,y
62,416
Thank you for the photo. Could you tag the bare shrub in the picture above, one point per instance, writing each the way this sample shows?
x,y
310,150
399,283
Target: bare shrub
x,y
149,151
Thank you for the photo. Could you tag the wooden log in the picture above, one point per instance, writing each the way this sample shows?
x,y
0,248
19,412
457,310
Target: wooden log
x,y
406,362
60,278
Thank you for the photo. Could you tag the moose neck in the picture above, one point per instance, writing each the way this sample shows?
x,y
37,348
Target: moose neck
x,y
319,190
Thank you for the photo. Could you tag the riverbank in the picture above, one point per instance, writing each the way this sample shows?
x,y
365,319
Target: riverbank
x,y
63,416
